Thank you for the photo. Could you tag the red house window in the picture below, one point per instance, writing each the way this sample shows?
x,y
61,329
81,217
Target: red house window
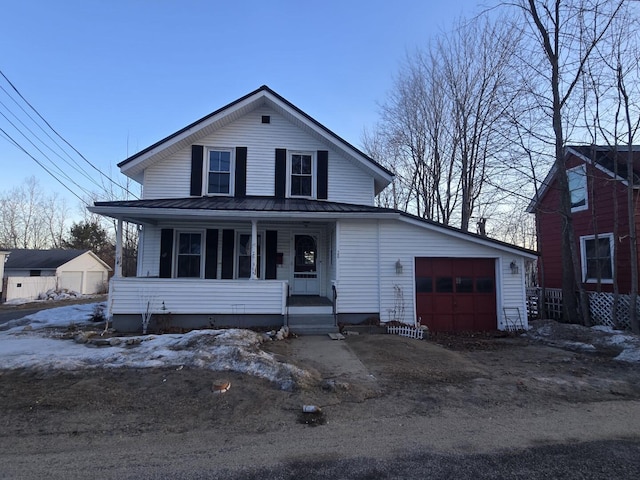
x,y
597,258
577,178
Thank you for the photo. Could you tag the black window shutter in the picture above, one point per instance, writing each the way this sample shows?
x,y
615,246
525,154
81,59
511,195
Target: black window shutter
x,y
211,254
281,172
197,155
323,175
271,250
228,238
166,252
241,172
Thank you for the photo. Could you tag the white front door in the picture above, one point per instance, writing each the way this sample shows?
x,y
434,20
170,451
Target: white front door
x,y
305,265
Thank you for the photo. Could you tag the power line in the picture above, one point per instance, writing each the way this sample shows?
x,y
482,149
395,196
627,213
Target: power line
x,y
85,174
77,166
61,172
19,147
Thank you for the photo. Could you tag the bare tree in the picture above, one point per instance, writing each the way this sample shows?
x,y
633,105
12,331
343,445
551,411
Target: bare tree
x,y
611,117
626,53
442,120
57,216
31,219
384,152
565,34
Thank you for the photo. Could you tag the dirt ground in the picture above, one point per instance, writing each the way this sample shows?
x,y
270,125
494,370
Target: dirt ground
x,y
417,384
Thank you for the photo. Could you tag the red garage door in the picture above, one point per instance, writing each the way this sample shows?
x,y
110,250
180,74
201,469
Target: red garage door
x,y
456,294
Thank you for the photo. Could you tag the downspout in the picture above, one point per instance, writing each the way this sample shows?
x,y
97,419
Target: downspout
x,y
336,283
379,269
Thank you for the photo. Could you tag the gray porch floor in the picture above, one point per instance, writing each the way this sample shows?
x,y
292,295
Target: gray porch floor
x,y
308,301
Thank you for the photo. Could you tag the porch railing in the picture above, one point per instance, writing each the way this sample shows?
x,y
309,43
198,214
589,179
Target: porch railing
x,y
128,295
334,303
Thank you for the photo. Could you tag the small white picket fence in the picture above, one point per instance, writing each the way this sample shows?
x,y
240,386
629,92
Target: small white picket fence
x,y
406,331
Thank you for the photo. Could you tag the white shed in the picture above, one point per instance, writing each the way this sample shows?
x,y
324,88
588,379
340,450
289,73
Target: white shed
x,y
28,273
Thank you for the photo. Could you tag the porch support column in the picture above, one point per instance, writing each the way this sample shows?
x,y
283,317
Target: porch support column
x,y
254,249
118,265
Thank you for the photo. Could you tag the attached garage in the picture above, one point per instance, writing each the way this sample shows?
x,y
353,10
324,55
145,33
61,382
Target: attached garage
x,y
456,294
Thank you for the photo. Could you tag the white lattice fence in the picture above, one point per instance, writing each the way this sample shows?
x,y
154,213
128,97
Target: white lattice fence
x,y
601,307
533,303
406,331
553,303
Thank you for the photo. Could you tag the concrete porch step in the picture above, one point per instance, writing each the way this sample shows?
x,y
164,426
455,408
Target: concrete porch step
x,y
300,310
313,329
312,324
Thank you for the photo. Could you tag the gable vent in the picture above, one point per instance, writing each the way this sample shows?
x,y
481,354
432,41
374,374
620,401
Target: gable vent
x,y
266,118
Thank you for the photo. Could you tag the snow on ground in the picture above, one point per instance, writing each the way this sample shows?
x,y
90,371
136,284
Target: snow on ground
x,y
35,342
38,341
49,296
583,339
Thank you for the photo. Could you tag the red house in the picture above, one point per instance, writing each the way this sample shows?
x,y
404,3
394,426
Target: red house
x,y
597,179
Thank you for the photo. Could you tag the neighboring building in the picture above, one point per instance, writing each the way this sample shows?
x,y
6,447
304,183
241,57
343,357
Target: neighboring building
x,y
259,215
597,179
29,273
3,258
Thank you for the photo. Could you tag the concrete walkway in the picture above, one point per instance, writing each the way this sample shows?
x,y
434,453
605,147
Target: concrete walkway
x,y
332,358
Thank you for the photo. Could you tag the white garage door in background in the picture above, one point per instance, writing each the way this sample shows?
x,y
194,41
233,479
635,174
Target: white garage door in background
x,y
71,281
95,282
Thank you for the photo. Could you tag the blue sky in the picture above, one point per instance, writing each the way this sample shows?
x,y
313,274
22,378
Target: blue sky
x,y
116,76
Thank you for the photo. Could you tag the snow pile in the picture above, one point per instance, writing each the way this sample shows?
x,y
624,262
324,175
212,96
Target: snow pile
x,y
599,339
49,296
61,317
61,294
31,343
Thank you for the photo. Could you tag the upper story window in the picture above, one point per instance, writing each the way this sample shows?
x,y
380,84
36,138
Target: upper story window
x,y
577,178
301,175
219,165
597,258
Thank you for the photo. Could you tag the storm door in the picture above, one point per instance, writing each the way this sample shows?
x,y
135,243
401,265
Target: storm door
x,y
305,265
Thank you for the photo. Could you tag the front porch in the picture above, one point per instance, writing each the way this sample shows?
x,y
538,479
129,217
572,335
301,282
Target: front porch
x,y
190,303
242,268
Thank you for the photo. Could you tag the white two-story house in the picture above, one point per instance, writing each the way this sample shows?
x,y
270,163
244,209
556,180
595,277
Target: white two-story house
x,y
258,215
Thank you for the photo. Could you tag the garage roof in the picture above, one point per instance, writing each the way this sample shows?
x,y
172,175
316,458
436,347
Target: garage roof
x,y
40,259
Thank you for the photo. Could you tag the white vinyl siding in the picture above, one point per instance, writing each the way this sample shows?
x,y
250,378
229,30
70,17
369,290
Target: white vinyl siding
x,y
149,259
357,267
170,177
347,183
189,296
